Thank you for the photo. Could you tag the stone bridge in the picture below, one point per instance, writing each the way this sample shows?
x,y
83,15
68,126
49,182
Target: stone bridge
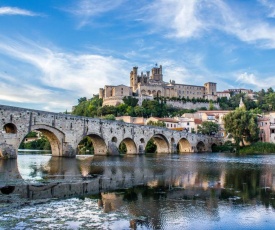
x,y
65,132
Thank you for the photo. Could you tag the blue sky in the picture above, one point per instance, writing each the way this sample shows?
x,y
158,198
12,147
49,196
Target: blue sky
x,y
54,52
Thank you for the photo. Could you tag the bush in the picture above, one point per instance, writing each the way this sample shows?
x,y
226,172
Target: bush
x,y
258,148
151,146
226,147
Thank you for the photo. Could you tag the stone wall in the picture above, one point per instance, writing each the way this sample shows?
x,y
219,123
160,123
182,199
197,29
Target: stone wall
x,y
191,105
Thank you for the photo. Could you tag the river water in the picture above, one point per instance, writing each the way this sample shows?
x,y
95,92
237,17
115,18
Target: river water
x,y
191,191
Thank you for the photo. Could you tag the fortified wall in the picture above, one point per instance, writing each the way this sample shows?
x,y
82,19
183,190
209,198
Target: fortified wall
x,y
191,105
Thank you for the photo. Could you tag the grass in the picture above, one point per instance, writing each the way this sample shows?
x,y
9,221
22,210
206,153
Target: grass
x,y
258,148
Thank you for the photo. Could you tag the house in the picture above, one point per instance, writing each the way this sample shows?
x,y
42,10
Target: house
x,y
170,123
264,126
132,120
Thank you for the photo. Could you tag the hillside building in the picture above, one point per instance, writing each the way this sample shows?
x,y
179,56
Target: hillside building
x,y
231,92
149,85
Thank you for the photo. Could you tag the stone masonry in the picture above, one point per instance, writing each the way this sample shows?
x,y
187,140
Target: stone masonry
x,y
65,132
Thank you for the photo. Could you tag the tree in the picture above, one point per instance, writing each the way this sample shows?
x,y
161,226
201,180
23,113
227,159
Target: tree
x,y
82,99
211,105
270,100
242,125
208,128
151,146
88,107
85,146
130,101
139,111
110,117
157,123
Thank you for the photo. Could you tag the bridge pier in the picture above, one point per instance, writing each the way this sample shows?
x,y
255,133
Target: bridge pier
x,y
68,151
112,149
7,151
173,148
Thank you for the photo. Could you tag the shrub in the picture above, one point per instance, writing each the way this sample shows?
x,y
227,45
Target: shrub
x,y
258,148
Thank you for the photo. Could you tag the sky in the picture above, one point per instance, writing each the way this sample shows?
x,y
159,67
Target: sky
x,y
54,52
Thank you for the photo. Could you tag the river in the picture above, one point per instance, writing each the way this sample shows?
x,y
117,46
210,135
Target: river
x,y
188,191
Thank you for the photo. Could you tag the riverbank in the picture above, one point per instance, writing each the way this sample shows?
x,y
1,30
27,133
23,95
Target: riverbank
x,y
258,148
253,149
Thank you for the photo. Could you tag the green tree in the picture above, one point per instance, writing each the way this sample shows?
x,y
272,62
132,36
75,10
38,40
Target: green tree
x,y
122,148
88,108
39,144
151,146
82,99
211,105
139,111
208,128
270,100
121,109
107,109
157,123
130,101
242,125
31,134
110,117
85,146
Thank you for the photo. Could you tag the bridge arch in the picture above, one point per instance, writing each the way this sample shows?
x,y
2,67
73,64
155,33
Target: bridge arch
x,y
201,147
184,146
99,145
54,136
213,147
10,128
131,147
161,142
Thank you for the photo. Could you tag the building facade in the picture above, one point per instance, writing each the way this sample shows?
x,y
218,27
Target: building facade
x,y
231,92
149,85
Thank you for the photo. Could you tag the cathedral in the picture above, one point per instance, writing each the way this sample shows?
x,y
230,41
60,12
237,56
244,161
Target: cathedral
x,y
150,84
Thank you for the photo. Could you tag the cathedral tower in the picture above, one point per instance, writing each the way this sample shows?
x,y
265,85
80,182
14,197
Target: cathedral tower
x,y
157,73
133,79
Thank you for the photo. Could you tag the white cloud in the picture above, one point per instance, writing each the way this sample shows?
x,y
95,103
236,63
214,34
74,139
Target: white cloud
x,y
270,4
250,30
58,76
250,79
190,18
86,10
16,11
178,17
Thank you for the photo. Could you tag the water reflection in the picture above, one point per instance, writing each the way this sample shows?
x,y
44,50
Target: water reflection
x,y
154,191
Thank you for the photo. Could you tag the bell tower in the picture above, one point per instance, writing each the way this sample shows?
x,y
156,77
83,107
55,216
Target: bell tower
x,y
133,78
157,73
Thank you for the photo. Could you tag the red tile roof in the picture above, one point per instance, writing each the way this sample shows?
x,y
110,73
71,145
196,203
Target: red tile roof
x,y
198,121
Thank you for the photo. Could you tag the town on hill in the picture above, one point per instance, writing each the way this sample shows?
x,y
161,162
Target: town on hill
x,y
151,101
